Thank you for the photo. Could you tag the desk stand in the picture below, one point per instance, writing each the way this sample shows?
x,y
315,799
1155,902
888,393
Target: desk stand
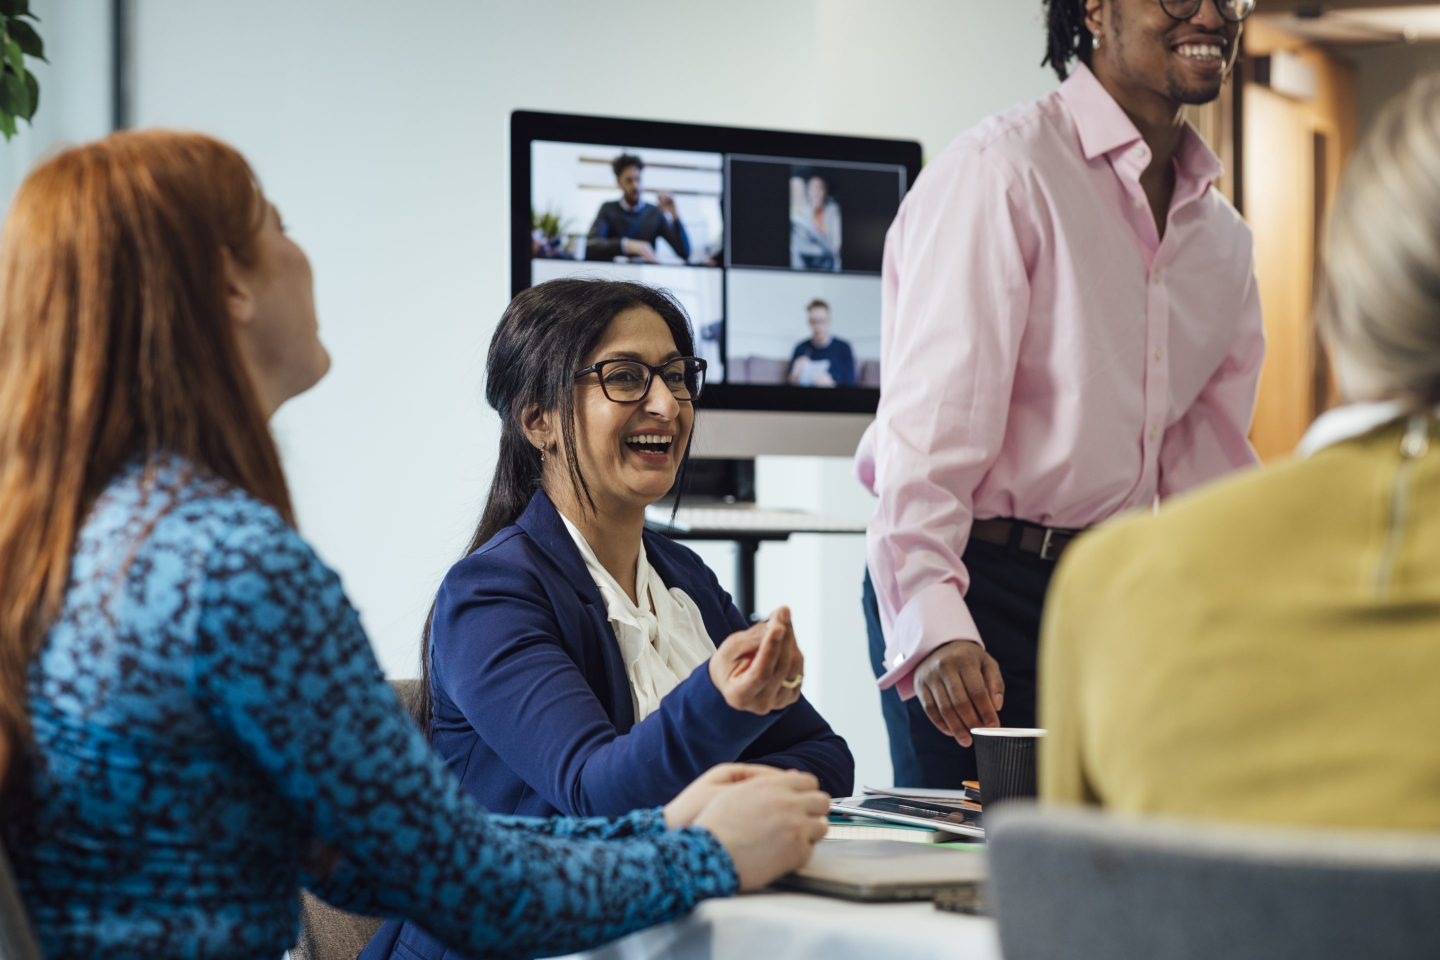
x,y
747,544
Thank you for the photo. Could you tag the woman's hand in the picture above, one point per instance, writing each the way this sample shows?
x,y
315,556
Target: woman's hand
x,y
769,824
759,670
682,811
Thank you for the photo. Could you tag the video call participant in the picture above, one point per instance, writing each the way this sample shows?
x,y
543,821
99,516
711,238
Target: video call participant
x,y
823,360
814,225
629,226
1277,632
577,663
1070,330
192,720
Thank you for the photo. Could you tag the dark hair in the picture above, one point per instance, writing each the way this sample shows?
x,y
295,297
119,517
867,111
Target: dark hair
x,y
817,302
624,162
1068,39
543,338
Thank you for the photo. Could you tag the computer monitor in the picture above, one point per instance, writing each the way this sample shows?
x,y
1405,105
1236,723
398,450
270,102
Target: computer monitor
x,y
771,240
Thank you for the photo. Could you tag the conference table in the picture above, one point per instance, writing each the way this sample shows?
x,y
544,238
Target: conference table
x,y
771,926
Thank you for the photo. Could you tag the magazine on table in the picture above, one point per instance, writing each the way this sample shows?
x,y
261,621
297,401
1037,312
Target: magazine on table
x,y
961,821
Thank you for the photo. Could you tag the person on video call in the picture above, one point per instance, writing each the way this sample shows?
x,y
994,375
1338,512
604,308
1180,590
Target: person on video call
x,y
628,227
814,225
823,360
1070,329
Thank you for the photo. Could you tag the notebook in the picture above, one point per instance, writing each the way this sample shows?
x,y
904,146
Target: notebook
x,y
970,794
845,826
887,870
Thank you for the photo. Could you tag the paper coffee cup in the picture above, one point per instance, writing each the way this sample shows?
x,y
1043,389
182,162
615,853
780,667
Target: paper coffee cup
x,y
1006,758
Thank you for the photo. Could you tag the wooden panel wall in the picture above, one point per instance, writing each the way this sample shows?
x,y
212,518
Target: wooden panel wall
x,y
1285,194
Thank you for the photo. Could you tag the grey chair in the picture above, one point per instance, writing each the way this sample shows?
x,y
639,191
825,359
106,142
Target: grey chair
x,y
1073,883
326,932
17,940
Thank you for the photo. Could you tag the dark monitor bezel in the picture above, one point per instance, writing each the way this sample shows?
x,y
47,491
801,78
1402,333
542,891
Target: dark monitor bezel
x,y
527,126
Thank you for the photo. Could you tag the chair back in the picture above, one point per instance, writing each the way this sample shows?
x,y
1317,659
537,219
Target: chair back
x,y
1073,883
326,932
17,939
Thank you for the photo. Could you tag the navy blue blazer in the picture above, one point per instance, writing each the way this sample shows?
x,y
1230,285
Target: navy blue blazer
x,y
532,704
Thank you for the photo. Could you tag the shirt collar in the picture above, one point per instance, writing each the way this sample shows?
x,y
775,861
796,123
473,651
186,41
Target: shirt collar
x,y
1102,124
1195,158
1105,128
1347,423
618,605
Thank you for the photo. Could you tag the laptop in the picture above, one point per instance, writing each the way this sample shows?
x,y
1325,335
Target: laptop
x,y
879,870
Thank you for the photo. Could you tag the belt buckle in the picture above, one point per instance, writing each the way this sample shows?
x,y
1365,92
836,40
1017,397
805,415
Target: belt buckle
x,y
1047,544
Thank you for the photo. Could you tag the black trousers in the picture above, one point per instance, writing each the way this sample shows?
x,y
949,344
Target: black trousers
x,y
1006,598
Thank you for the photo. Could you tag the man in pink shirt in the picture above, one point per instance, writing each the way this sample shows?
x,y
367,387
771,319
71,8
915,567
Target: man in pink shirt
x,y
1071,329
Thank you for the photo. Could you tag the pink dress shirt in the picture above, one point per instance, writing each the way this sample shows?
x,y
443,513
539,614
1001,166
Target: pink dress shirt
x,y
1044,353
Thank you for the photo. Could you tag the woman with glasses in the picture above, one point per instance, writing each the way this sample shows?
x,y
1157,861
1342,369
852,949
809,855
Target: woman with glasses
x,y
574,662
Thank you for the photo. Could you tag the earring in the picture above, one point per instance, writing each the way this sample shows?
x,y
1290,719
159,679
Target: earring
x,y
542,453
1095,40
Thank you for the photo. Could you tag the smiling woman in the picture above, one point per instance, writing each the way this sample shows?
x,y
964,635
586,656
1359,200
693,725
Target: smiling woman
x,y
573,661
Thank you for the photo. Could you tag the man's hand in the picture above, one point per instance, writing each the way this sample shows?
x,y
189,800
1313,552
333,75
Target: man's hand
x,y
682,811
759,670
960,687
666,204
639,248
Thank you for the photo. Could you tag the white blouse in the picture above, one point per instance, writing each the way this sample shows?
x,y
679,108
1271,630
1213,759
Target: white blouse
x,y
1348,422
662,638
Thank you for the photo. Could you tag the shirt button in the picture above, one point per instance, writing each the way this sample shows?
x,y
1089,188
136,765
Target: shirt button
x,y
1158,276
1159,355
1138,202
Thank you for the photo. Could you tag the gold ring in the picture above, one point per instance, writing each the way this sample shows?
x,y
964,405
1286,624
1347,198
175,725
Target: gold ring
x,y
793,682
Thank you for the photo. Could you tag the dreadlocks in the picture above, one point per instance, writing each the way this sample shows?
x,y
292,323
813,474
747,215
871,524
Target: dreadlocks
x,y
1068,38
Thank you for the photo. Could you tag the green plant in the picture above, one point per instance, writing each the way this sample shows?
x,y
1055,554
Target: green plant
x,y
548,223
19,90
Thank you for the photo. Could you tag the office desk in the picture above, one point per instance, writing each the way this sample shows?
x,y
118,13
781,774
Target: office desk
x,y
747,527
781,926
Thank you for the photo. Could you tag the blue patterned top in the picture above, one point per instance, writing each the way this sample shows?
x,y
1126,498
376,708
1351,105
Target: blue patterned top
x,y
212,731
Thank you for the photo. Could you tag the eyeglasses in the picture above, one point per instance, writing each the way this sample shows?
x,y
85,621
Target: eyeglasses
x,y
1231,10
628,381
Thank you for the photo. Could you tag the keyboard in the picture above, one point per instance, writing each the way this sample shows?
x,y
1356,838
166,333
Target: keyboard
x,y
746,517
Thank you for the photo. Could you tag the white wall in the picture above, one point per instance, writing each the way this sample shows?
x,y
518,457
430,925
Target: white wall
x,y
380,131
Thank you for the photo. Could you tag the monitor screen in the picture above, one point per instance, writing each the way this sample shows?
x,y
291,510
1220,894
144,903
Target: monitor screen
x,y
772,241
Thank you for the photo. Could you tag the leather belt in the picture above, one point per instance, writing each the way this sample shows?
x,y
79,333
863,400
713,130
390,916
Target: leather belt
x,y
1047,543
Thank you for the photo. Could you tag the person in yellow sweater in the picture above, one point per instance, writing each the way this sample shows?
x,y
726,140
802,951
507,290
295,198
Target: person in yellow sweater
x,y
1268,649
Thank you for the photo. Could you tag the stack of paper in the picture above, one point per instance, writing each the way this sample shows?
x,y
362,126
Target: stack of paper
x,y
846,826
967,798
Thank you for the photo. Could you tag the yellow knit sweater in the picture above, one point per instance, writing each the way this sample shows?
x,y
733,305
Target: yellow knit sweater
x,y
1266,650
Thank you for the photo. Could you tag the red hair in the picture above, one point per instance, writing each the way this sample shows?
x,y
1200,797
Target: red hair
x,y
115,342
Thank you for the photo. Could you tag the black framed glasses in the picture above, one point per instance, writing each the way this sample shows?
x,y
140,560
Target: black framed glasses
x,y
628,381
1232,10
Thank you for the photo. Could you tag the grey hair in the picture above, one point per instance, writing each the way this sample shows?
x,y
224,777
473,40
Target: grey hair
x,y
1379,306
